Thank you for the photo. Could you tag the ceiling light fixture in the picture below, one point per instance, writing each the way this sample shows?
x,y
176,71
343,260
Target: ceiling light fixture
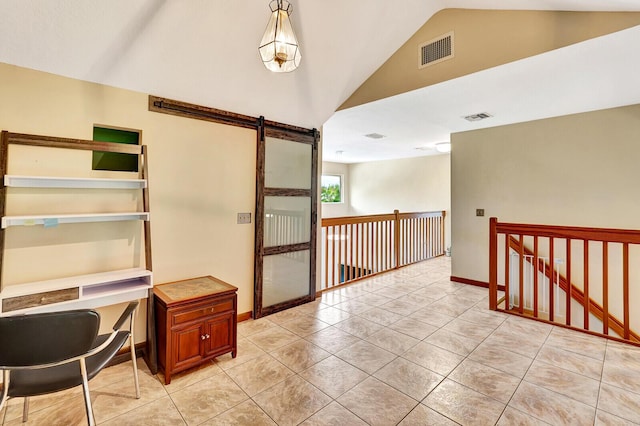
x,y
279,47
443,147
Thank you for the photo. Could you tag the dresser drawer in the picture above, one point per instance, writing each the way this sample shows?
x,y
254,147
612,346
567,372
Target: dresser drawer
x,y
202,311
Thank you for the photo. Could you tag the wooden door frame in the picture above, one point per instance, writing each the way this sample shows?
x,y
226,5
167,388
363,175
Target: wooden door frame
x,y
298,135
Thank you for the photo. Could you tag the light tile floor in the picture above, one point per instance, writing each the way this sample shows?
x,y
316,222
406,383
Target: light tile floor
x,y
408,347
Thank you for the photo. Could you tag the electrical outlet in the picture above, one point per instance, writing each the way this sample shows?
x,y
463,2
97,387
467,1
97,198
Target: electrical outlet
x,y
479,212
244,217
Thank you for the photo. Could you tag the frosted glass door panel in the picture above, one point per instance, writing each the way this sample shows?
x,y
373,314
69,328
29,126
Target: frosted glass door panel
x,y
287,164
286,220
285,277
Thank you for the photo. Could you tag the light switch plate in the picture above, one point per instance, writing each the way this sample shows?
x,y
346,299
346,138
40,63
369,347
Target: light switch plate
x,y
479,212
244,218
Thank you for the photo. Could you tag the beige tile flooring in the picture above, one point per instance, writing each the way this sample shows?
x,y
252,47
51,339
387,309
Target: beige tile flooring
x,y
409,348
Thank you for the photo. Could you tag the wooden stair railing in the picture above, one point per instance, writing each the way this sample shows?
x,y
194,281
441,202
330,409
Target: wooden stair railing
x,y
511,236
357,247
576,293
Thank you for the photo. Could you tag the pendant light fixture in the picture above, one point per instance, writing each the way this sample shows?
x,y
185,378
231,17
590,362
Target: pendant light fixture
x,y
279,47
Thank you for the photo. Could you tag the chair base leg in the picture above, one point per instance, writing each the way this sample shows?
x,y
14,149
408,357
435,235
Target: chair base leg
x,y
5,388
25,410
135,368
87,396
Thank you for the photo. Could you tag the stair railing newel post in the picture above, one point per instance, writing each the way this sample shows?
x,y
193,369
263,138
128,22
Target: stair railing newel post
x,y
493,264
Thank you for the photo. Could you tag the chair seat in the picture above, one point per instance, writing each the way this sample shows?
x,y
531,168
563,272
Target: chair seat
x,y
46,380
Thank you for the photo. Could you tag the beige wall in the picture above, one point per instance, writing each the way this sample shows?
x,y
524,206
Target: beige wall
x,y
343,208
408,185
484,39
200,176
577,170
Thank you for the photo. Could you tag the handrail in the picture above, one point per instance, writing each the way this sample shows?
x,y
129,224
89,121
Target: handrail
x,y
550,249
354,247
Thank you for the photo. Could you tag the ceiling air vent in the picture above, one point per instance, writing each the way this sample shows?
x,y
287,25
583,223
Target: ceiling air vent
x,y
374,136
437,50
478,117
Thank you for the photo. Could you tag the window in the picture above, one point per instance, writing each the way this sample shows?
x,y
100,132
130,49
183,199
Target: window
x,y
113,160
331,189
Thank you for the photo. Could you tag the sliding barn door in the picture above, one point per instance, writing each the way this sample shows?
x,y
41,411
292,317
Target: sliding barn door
x,y
285,218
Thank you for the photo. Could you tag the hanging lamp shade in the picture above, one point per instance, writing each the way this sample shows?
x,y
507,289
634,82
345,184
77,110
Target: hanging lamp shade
x,y
279,48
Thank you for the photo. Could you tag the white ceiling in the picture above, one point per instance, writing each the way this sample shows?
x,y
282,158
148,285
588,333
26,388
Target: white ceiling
x,y
596,74
205,52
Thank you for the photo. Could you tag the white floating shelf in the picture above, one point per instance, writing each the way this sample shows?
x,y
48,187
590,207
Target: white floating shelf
x,y
82,281
85,303
72,182
54,220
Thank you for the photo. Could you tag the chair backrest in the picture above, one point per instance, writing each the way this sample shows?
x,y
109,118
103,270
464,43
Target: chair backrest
x,y
46,338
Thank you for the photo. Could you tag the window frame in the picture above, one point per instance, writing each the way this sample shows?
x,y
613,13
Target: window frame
x,y
339,176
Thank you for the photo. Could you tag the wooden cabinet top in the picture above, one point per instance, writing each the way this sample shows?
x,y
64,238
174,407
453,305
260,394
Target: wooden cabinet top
x,y
193,288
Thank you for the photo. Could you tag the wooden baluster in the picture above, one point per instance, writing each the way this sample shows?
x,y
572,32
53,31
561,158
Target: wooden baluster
x,y
345,243
521,274
507,254
374,243
587,298
442,225
368,246
421,239
341,269
438,237
396,238
345,256
430,237
536,272
437,232
389,243
412,235
552,275
405,237
625,289
381,245
357,266
350,251
333,256
568,292
385,252
414,240
326,257
605,288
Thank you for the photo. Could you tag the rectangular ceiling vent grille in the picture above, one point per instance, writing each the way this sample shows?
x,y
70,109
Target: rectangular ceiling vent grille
x,y
436,50
477,117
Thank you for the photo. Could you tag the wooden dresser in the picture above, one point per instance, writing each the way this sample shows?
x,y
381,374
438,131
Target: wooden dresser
x,y
196,320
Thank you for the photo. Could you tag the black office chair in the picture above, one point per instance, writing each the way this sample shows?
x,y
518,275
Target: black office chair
x,y
51,352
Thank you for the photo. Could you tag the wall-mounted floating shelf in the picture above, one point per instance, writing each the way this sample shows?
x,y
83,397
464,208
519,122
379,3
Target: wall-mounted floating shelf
x,y
72,182
77,291
53,220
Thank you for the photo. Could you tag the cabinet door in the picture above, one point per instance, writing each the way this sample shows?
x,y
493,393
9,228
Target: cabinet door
x,y
187,346
220,332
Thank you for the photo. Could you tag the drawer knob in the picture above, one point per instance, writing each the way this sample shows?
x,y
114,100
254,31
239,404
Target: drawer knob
x,y
202,337
207,336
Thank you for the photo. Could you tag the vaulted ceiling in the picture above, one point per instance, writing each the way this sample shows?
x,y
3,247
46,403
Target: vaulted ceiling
x,y
205,51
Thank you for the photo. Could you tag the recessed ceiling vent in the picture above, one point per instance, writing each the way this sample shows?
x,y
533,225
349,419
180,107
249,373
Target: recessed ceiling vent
x,y
478,117
374,136
437,50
